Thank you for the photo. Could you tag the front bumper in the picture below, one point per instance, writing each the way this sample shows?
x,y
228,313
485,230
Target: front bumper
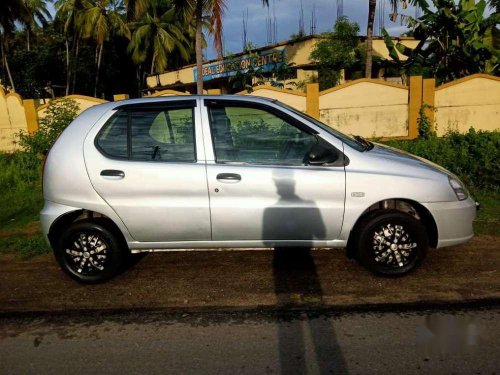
x,y
453,220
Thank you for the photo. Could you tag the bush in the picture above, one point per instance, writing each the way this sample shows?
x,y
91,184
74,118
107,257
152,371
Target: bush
x,y
58,116
20,172
20,184
474,156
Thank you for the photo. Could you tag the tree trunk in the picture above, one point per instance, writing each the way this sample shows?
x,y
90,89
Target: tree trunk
x,y
8,73
68,70
1,50
139,80
199,47
28,39
152,64
6,63
369,38
75,63
98,69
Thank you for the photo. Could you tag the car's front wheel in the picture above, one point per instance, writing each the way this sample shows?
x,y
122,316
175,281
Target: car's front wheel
x,y
89,252
392,243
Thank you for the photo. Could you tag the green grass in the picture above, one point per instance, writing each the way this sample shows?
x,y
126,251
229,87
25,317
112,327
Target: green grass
x,y
488,217
21,191
25,246
21,200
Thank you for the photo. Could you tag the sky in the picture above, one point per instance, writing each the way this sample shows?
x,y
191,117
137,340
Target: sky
x,y
288,14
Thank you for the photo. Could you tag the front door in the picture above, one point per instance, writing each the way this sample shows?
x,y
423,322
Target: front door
x,y
261,188
146,165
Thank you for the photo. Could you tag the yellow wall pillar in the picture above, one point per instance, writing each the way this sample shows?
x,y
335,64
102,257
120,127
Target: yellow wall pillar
x,y
428,94
414,104
118,97
312,100
31,115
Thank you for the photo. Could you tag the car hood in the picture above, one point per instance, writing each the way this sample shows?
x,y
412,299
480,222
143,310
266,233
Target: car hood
x,y
405,158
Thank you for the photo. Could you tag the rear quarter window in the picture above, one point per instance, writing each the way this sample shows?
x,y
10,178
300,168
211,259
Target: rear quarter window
x,y
112,140
150,135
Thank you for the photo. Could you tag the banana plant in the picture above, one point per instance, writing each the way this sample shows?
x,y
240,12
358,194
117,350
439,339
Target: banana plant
x,y
456,40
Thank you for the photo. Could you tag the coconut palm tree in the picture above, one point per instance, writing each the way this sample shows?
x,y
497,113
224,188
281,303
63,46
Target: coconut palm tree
x,y
38,16
10,12
135,8
494,5
70,13
99,19
200,13
155,36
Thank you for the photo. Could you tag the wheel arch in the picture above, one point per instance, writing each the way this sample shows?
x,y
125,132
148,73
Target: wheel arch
x,y
68,218
408,206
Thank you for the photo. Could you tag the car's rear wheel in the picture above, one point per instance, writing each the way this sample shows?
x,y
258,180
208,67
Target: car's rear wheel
x,y
391,243
89,252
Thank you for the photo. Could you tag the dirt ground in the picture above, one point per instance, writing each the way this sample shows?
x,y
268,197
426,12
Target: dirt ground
x,y
253,279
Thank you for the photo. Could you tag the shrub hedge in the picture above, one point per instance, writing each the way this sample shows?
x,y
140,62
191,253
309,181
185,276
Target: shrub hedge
x,y
474,156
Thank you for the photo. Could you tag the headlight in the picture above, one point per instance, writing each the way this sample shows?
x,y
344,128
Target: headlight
x,y
459,188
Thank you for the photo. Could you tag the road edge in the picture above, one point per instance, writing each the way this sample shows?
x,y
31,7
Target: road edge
x,y
278,310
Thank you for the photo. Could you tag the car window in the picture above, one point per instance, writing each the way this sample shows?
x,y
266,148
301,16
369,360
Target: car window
x,y
166,135
352,142
113,139
158,135
252,135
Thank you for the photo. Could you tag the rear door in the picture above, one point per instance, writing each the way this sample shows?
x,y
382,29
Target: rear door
x,y
148,163
261,188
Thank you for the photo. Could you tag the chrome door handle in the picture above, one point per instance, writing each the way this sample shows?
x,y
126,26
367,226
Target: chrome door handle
x,y
229,177
113,173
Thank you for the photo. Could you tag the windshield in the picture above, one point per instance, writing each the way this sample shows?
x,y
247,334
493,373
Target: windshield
x,y
356,144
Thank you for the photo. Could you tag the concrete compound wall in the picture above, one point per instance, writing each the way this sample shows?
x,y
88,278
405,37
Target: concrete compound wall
x,y
83,102
472,101
12,119
366,108
369,107
295,99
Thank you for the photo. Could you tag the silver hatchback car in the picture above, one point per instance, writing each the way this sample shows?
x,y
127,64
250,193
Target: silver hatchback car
x,y
197,172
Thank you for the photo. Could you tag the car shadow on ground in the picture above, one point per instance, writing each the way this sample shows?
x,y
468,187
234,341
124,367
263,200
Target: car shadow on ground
x,y
297,283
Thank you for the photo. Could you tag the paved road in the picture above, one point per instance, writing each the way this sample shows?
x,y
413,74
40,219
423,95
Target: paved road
x,y
462,342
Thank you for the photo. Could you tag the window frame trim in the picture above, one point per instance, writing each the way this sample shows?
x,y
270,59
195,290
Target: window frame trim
x,y
146,107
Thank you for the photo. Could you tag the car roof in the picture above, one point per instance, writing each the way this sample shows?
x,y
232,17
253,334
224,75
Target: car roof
x,y
159,99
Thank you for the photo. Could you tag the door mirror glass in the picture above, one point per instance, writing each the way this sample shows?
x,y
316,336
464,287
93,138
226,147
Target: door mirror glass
x,y
321,154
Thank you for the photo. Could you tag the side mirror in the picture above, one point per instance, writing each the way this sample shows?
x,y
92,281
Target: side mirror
x,y
321,155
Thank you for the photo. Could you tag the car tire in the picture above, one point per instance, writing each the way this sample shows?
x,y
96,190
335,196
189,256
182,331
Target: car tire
x,y
89,252
391,244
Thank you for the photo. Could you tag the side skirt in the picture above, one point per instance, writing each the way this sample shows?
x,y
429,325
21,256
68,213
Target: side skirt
x,y
140,247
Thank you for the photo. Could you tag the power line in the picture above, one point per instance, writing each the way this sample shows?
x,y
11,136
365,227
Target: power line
x,y
313,20
380,16
244,37
340,8
301,19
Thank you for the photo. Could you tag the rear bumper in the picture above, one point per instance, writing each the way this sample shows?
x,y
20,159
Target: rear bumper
x,y
51,212
453,220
